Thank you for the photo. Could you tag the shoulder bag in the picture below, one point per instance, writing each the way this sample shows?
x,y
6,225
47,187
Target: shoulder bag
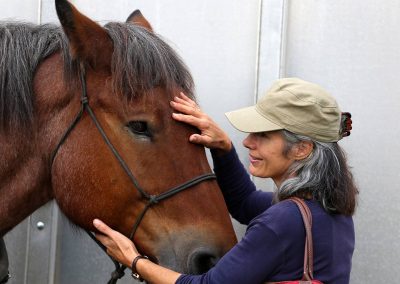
x,y
308,277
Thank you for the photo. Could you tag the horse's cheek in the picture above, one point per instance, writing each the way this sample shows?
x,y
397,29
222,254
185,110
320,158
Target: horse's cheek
x,y
69,186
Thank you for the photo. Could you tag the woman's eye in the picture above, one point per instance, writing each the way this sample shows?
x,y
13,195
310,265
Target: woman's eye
x,y
139,128
262,134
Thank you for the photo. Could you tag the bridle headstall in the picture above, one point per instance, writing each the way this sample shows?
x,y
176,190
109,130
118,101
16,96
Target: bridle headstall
x,y
151,199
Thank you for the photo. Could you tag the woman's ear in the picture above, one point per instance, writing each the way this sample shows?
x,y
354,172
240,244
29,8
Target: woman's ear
x,y
302,150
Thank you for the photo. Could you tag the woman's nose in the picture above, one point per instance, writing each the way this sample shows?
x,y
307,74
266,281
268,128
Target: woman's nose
x,y
249,141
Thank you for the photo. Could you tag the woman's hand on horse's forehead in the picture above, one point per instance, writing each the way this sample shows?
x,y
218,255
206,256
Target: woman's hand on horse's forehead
x,y
186,106
186,101
211,136
188,111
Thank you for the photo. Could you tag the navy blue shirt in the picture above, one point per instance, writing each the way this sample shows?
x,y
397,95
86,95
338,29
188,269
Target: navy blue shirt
x,y
273,247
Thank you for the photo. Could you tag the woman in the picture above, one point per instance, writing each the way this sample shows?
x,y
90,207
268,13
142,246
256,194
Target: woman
x,y
293,133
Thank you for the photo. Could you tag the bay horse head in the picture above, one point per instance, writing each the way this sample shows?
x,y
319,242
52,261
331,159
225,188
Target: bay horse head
x,y
94,132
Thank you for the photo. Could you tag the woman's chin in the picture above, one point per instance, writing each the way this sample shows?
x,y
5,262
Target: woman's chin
x,y
254,171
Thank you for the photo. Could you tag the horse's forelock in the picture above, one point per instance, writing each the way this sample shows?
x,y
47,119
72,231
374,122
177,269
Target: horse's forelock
x,y
142,61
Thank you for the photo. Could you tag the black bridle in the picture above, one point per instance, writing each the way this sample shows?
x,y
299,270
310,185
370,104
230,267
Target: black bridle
x,y
151,199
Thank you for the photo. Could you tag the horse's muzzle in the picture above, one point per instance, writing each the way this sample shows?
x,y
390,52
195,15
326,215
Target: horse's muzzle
x,y
201,260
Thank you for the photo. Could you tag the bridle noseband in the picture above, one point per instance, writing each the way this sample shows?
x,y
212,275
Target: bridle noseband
x,y
151,199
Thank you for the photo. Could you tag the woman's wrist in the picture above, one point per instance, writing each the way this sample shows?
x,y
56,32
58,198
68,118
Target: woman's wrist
x,y
226,147
135,273
154,273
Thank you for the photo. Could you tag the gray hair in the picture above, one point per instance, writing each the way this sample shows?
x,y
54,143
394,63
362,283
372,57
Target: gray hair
x,y
324,175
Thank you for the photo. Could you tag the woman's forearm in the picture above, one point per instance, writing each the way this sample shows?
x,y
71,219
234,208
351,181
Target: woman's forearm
x,y
154,273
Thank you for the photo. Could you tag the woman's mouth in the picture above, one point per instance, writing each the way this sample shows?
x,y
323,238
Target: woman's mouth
x,y
253,159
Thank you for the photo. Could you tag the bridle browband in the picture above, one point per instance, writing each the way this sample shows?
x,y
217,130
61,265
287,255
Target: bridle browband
x,y
151,199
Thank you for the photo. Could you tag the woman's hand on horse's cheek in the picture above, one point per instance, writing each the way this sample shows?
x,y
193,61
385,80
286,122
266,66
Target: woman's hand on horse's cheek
x,y
118,246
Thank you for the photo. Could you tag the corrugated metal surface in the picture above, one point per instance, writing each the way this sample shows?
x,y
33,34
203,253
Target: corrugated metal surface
x,y
352,48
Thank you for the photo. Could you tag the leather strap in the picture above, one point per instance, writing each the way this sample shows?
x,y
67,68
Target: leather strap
x,y
308,268
308,248
135,274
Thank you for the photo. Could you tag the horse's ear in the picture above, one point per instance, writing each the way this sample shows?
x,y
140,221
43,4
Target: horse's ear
x,y
137,18
89,42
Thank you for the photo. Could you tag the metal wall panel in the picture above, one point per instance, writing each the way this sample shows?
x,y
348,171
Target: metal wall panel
x,y
352,49
22,10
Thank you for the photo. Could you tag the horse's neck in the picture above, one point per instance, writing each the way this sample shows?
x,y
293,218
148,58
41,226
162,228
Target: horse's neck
x,y
24,182
25,179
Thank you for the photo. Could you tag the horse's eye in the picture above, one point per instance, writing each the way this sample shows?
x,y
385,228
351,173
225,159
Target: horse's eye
x,y
139,128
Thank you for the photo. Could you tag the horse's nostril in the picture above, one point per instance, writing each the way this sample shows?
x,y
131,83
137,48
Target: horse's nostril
x,y
201,261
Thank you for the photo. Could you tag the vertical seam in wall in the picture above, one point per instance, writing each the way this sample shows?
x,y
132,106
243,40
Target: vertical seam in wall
x,y
53,242
258,52
39,12
282,52
27,248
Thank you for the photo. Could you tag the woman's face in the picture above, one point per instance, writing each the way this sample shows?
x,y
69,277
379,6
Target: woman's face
x,y
266,155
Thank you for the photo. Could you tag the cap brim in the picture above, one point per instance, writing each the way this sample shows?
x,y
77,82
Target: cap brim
x,y
249,120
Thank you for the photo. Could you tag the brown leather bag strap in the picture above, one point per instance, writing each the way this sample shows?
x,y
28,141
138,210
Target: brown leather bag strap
x,y
308,249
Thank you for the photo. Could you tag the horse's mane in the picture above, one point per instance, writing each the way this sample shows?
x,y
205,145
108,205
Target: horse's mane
x,y
22,47
141,61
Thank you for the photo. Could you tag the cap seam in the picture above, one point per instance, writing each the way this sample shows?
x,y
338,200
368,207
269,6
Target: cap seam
x,y
295,123
300,99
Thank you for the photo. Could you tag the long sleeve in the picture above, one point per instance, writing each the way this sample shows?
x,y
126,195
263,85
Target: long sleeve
x,y
244,201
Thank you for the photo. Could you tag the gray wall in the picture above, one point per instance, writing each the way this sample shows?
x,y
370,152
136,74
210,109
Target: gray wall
x,y
352,49
235,49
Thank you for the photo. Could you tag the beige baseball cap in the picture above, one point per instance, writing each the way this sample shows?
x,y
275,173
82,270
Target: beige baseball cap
x,y
293,104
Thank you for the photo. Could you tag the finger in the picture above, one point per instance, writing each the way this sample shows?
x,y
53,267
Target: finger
x,y
187,102
195,138
186,98
189,119
186,109
200,139
102,238
179,101
102,227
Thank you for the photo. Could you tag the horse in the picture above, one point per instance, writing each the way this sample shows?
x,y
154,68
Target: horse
x,y
85,120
